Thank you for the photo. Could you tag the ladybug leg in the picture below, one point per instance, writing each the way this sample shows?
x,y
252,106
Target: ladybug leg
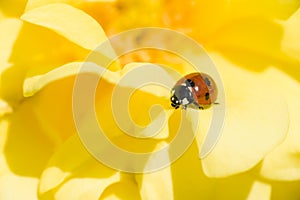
x,y
190,82
198,106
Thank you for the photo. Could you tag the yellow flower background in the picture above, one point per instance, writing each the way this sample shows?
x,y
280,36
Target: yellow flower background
x,y
255,46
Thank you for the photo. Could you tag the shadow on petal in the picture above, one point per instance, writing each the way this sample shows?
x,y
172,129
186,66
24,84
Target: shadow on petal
x,y
27,149
121,190
285,190
255,44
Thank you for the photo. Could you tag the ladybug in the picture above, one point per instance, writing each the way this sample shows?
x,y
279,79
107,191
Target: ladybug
x,y
195,90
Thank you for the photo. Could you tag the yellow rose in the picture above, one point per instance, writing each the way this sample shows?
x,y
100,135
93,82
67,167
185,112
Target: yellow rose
x,y
255,47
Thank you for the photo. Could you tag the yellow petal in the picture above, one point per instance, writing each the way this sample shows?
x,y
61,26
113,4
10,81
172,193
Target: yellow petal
x,y
34,84
37,3
10,29
225,188
85,188
26,187
63,163
121,190
290,42
48,50
268,8
9,90
53,96
156,185
27,149
4,126
187,178
72,168
260,190
72,23
31,4
152,78
4,108
256,121
251,42
283,163
285,190
24,153
13,8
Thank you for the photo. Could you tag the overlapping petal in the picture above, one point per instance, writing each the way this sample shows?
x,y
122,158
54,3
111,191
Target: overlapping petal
x,y
283,162
68,21
290,42
180,180
251,129
26,187
31,4
122,190
34,84
12,8
10,29
71,167
265,8
4,108
24,153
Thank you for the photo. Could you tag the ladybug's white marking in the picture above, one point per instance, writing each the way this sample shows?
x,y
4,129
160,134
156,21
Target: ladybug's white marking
x,y
196,88
172,92
185,101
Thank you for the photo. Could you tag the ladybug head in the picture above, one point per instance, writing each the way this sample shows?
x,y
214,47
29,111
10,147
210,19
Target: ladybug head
x,y
175,102
181,95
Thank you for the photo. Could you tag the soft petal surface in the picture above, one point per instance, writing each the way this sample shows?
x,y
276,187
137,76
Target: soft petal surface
x,y
25,141
121,190
47,50
31,4
24,154
72,171
250,42
4,108
52,111
58,83
37,3
17,187
285,190
260,190
10,29
184,179
151,188
290,42
34,84
267,8
12,8
251,129
284,162
66,20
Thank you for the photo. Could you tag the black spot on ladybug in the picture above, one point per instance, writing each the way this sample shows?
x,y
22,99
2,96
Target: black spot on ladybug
x,y
207,81
190,82
206,96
